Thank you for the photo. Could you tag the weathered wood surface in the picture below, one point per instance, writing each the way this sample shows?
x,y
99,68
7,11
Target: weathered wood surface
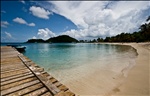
x,y
21,76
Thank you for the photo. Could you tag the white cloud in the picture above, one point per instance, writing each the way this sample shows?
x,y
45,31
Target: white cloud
x,y
19,20
4,24
101,18
31,24
34,37
40,12
8,35
45,34
22,1
76,11
22,21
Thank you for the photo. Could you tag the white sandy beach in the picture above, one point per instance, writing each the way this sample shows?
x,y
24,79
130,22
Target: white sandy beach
x,y
104,83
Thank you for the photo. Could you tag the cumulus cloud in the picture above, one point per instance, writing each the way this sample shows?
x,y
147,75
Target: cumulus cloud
x,y
45,33
4,24
22,21
40,12
19,20
101,18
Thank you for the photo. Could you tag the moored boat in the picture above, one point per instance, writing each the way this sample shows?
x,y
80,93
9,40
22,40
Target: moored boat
x,y
19,48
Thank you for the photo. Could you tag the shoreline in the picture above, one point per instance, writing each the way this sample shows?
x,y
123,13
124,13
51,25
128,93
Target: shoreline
x,y
136,82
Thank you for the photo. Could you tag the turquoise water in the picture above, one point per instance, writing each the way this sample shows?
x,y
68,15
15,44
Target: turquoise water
x,y
61,56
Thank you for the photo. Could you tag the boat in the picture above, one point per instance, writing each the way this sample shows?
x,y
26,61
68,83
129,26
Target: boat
x,y
19,48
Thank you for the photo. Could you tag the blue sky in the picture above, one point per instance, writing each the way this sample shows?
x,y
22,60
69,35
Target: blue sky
x,y
23,20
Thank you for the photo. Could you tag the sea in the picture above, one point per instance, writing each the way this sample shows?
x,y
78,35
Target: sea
x,y
68,61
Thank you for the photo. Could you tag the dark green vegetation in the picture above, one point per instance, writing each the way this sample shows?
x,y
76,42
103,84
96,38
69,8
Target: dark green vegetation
x,y
62,39
35,41
58,39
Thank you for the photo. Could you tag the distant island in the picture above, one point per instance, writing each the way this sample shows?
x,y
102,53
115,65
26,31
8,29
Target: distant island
x,y
35,41
58,39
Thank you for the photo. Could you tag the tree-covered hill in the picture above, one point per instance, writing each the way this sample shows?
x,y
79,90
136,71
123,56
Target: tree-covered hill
x,y
58,39
62,39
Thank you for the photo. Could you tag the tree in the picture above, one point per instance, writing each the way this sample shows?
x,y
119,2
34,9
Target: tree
x,y
100,40
148,18
107,39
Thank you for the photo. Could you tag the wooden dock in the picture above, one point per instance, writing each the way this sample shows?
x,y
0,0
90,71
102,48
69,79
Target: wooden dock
x,y
21,76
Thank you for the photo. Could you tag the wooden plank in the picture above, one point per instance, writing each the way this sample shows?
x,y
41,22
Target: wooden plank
x,y
17,79
69,93
13,89
66,93
47,94
4,55
26,90
17,83
48,84
12,59
63,88
15,76
13,69
14,73
53,80
37,92
57,84
45,74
